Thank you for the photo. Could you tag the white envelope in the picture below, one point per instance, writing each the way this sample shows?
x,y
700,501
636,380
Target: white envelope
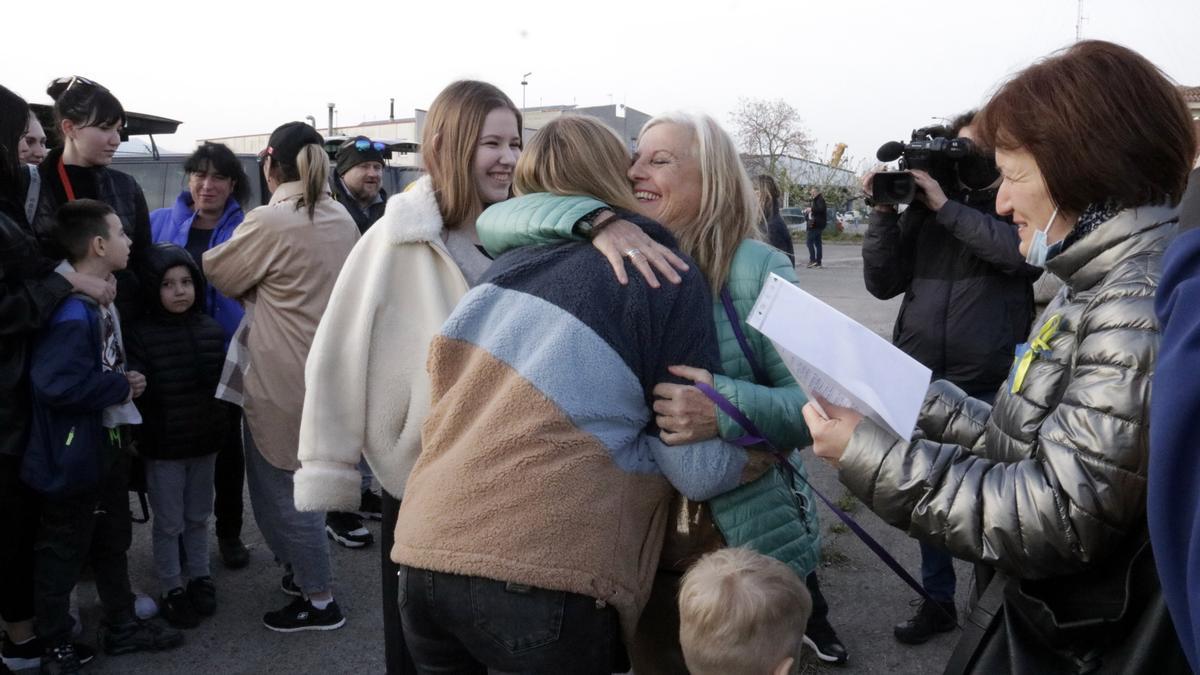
x,y
839,359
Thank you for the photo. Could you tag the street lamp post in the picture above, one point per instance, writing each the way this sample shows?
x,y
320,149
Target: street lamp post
x,y
524,82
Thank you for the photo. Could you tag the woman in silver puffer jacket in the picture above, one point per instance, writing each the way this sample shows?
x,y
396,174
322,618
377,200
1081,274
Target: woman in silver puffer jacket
x,y
1048,486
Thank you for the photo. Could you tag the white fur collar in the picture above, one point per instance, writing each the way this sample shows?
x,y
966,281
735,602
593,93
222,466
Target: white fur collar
x,y
412,216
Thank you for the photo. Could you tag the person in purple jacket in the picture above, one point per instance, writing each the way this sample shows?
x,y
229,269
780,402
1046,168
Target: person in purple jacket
x,y
205,215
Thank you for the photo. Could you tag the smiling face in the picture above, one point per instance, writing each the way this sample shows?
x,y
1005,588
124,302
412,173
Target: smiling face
x,y
210,190
496,154
177,290
32,146
665,176
1024,195
92,145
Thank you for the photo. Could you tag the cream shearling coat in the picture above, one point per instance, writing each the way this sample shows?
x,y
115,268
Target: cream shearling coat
x,y
367,390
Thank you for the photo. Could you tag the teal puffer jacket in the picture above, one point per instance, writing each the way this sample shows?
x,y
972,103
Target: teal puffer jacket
x,y
760,515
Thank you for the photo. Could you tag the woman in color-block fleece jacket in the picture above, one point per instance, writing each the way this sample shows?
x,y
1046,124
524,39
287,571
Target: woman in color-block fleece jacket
x,y
541,464
538,505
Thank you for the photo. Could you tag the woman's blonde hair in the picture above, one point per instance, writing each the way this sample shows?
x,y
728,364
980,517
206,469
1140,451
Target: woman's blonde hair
x,y
312,170
448,144
728,212
576,155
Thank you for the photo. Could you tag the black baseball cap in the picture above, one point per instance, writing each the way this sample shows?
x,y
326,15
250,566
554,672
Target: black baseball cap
x,y
287,141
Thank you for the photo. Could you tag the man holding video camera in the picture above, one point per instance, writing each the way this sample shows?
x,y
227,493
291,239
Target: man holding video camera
x,y
968,297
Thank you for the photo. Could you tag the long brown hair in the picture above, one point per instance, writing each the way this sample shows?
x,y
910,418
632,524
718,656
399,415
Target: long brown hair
x,y
768,195
448,145
576,155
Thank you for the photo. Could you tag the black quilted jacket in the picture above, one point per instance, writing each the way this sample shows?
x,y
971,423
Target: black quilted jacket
x,y
181,356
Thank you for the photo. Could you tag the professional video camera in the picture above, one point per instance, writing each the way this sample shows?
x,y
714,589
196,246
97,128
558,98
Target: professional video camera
x,y
955,163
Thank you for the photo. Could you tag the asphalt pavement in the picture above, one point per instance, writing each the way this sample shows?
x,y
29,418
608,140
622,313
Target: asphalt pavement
x,y
865,598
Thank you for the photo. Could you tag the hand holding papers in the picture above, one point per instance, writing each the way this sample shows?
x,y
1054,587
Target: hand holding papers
x,y
839,359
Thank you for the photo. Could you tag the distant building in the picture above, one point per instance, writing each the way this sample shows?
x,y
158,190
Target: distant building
x,y
1192,96
627,122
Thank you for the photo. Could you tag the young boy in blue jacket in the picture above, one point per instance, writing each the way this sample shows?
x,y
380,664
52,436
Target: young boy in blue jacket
x,y
77,455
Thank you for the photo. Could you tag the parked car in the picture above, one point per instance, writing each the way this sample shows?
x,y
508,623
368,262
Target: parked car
x,y
794,217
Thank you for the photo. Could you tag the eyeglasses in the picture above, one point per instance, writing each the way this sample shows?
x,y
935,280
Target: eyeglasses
x,y
76,79
364,144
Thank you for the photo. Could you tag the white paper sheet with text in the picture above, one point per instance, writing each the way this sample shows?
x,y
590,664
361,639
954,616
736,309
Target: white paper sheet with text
x,y
839,359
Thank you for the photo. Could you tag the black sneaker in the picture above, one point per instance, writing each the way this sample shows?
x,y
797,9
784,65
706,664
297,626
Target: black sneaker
x,y
22,656
28,654
62,659
822,639
203,594
300,615
137,635
176,609
930,619
370,506
288,585
233,553
347,529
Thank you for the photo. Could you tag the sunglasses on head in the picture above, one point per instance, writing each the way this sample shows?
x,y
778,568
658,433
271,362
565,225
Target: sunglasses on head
x,y
363,145
76,79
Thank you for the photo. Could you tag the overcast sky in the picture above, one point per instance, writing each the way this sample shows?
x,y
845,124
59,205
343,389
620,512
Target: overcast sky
x,y
859,71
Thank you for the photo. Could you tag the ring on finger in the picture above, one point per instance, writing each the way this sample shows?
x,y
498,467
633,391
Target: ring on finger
x,y
631,252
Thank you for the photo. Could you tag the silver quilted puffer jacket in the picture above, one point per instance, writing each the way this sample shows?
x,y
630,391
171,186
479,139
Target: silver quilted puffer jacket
x,y
1053,477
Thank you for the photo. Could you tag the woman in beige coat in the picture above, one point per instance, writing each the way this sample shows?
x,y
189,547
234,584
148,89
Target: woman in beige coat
x,y
281,263
367,389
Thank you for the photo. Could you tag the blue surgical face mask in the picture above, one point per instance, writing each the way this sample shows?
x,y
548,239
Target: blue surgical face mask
x,y
1038,248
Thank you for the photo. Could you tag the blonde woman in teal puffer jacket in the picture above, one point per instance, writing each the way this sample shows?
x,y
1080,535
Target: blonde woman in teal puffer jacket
x,y
687,175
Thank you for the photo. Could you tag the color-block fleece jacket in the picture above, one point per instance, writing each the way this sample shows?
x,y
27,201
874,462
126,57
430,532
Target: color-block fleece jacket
x,y
541,464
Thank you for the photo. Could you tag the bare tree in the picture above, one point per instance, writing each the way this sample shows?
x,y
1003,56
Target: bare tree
x,y
771,129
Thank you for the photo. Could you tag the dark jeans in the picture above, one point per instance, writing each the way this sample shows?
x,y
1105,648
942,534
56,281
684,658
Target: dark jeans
x,y
91,528
395,651
457,624
937,566
229,479
813,240
18,526
820,606
937,573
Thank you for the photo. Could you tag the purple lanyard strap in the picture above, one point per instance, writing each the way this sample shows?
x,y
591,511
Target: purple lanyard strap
x,y
754,436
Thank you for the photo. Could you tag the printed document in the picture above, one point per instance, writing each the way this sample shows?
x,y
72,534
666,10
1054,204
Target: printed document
x,y
839,359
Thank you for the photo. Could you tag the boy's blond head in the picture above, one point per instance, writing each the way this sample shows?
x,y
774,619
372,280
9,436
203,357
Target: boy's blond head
x,y
741,612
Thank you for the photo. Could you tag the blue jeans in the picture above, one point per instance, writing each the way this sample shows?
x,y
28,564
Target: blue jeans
x,y
814,246
458,624
296,538
937,566
937,573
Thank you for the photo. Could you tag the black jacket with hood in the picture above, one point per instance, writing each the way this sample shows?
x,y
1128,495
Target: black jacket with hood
x,y
363,219
181,356
30,290
968,298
